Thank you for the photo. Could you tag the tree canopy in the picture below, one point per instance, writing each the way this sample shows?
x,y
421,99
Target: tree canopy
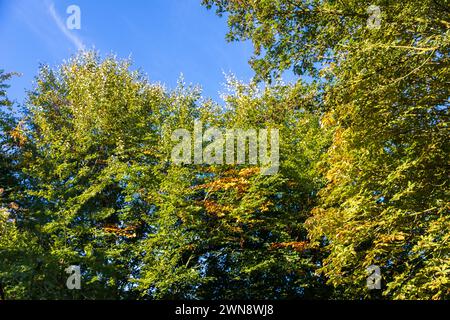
x,y
87,177
385,94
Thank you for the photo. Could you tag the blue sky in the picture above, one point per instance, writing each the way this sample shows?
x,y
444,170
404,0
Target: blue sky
x,y
163,37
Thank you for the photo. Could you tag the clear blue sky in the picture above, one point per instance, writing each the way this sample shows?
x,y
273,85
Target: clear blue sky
x,y
163,37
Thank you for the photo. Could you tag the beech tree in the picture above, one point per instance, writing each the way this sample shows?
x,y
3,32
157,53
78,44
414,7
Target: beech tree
x,y
384,92
88,177
102,192
13,243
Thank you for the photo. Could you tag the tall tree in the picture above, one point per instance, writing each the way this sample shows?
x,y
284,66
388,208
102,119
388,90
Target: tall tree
x,y
8,147
93,127
256,245
103,193
226,231
17,247
384,88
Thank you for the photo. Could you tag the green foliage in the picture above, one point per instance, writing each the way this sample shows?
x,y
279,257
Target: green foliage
x,y
87,177
12,242
7,142
101,192
257,245
94,126
386,95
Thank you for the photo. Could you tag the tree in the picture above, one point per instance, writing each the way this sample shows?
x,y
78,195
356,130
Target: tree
x,y
226,231
92,127
384,92
17,247
103,193
7,125
269,255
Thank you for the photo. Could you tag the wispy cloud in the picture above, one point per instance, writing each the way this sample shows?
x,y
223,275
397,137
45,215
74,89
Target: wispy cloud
x,y
76,41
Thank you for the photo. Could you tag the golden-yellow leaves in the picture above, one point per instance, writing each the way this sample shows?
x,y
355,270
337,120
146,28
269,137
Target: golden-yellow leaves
x,y
127,232
299,246
18,134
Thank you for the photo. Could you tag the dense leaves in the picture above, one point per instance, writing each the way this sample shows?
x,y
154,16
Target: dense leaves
x,y
88,179
100,192
385,94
